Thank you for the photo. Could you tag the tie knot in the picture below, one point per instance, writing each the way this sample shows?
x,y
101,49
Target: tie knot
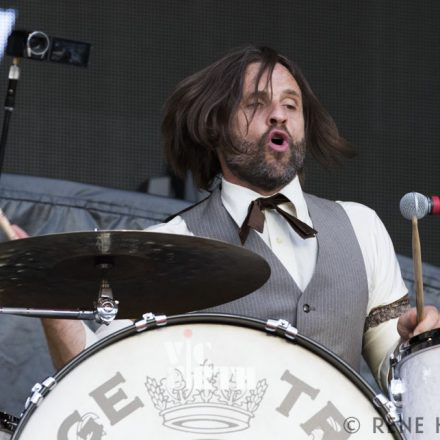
x,y
255,217
272,202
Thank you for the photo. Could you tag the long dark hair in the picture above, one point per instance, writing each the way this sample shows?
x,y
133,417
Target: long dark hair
x,y
198,115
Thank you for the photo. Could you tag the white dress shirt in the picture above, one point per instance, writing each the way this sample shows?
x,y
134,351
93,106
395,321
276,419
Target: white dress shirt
x,y
385,284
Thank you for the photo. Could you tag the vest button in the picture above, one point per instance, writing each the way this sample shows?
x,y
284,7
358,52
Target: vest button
x,y
306,308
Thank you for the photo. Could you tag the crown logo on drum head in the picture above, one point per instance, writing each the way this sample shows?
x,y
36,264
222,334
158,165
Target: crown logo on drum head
x,y
208,407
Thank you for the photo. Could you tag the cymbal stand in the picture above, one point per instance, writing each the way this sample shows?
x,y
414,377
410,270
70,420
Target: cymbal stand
x,y
14,76
106,307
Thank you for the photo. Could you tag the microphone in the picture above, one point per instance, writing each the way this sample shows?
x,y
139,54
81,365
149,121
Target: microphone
x,y
417,205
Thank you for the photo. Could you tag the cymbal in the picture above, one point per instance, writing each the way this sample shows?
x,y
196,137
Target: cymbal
x,y
147,271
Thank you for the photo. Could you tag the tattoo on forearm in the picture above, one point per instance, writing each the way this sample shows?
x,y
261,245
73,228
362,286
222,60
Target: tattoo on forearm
x,y
381,314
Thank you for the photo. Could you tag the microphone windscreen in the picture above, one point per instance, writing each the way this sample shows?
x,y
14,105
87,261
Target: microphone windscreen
x,y
414,204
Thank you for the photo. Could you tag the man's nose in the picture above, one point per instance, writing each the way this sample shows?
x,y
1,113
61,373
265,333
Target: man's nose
x,y
277,115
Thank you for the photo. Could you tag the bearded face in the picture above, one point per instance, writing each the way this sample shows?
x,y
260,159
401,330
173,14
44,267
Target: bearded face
x,y
262,165
267,133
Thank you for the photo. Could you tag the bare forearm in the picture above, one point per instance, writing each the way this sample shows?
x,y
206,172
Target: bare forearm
x,y
65,338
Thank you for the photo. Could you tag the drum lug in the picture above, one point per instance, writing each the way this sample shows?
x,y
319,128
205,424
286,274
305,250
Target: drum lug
x,y
392,416
37,391
396,387
283,326
149,319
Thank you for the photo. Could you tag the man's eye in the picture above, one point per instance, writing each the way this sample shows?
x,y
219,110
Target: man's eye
x,y
291,106
255,104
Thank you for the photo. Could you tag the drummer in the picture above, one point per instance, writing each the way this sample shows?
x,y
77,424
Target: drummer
x,y
248,120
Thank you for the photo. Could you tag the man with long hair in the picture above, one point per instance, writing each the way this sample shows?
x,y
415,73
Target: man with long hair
x,y
249,119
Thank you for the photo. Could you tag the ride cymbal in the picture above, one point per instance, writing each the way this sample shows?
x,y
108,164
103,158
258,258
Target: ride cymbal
x,y
146,271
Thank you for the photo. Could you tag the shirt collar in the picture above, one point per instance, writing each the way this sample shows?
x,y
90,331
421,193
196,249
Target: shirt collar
x,y
236,199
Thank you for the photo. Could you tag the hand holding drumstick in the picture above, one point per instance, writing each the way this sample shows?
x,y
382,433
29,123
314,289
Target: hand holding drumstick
x,y
422,318
414,206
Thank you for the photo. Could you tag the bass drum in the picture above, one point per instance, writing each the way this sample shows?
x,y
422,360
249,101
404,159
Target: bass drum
x,y
206,376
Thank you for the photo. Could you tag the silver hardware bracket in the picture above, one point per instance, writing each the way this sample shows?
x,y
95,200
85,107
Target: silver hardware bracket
x,y
49,383
392,416
288,330
106,310
396,387
150,319
37,390
106,306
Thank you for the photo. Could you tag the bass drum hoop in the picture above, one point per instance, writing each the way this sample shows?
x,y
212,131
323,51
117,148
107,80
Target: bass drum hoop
x,y
218,318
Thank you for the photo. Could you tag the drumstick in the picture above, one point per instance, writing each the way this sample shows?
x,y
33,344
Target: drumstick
x,y
6,227
418,273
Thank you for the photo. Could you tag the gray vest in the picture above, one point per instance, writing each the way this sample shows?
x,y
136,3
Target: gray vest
x,y
332,308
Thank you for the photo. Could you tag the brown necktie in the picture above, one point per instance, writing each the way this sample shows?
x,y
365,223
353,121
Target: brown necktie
x,y
255,217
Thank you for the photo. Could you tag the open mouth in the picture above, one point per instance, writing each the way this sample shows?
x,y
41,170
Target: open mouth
x,y
278,140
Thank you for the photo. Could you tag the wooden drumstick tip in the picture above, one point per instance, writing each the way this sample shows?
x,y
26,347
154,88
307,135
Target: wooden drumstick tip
x,y
6,227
